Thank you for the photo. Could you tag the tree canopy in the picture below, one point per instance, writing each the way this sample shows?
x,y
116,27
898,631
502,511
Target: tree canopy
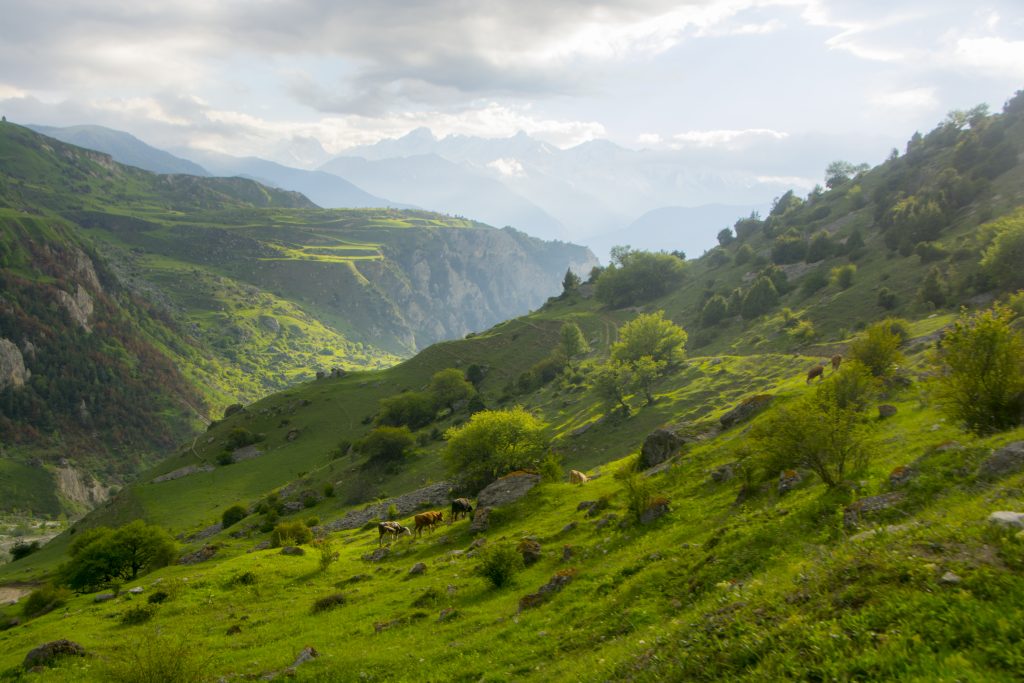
x,y
649,334
102,555
637,276
495,442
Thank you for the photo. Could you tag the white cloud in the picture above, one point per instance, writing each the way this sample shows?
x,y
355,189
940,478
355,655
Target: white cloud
x,y
508,167
992,54
725,137
8,92
913,99
649,139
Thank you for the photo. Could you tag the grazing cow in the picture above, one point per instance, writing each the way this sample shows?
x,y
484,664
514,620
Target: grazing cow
x,y
427,520
460,506
392,530
836,360
817,371
577,477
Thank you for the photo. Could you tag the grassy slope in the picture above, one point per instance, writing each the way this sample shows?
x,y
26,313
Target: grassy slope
x,y
774,588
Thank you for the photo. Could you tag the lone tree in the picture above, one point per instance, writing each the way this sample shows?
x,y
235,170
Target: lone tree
x,y
386,445
494,443
612,382
102,555
572,343
570,283
650,334
982,371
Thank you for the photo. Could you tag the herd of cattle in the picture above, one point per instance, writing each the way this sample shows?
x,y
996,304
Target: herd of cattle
x,y
461,507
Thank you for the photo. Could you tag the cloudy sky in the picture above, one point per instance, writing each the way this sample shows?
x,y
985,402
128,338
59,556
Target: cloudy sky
x,y
280,79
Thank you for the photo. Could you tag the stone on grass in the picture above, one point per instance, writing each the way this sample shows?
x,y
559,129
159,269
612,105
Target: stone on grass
x,y
865,507
1006,461
47,654
507,490
1007,519
901,475
377,555
886,411
745,410
950,579
659,446
530,550
447,614
201,555
657,508
417,568
480,520
104,597
136,590
292,550
789,480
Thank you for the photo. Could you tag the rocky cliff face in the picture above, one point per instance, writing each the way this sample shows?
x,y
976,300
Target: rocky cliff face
x,y
13,372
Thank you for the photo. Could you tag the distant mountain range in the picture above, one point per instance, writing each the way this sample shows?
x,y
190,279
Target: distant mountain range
x,y
597,193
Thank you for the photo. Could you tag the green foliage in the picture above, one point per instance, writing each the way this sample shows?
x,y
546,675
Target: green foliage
x,y
981,383
814,281
612,382
104,555
1003,258
570,283
759,299
450,386
638,276
646,372
240,437
725,237
651,335
137,614
715,310
818,432
22,549
933,288
639,491
44,599
157,658
386,445
821,247
233,515
499,563
550,468
326,553
878,349
493,443
413,409
290,533
839,172
329,602
886,298
789,248
842,276
745,254
571,342
475,375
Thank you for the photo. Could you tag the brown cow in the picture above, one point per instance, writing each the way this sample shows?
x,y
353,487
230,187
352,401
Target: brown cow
x,y
427,520
577,477
391,529
817,371
836,361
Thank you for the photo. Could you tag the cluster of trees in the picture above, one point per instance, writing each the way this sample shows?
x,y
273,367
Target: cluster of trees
x,y
103,555
634,276
417,409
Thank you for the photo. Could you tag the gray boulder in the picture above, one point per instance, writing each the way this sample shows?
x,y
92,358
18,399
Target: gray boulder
x,y
508,489
47,654
746,409
1007,519
1006,461
659,446
865,507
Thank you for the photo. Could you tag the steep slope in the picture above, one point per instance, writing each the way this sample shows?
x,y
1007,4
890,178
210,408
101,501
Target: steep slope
x,y
123,148
240,288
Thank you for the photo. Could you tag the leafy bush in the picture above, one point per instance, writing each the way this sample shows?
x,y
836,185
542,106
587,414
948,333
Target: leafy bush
x,y
240,437
499,563
715,310
233,515
22,549
1003,258
386,445
639,491
290,533
821,247
157,658
842,276
158,597
246,578
745,254
982,371
879,348
887,298
495,442
933,288
327,554
329,602
760,298
813,282
789,248
450,386
413,409
818,432
137,614
43,600
225,458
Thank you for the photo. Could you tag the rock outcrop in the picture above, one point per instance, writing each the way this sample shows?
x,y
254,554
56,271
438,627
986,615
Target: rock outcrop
x,y
508,489
79,306
13,372
659,446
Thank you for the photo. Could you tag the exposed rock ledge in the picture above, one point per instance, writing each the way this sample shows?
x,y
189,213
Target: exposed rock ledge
x,y
13,372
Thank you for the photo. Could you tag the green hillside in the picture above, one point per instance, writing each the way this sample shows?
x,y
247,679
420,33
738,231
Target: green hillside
x,y
838,529
143,305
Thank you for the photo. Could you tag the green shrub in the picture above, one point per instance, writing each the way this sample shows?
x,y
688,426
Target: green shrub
x,y
290,533
312,521
43,600
878,349
760,298
639,492
1003,258
225,458
886,298
982,371
413,409
842,276
499,563
103,555
494,443
551,468
328,490
246,578
715,310
22,549
814,281
933,288
137,614
158,597
638,276
393,512
233,515
745,254
327,554
329,602
157,658
386,445
240,437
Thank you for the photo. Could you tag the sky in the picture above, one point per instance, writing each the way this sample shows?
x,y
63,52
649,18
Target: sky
x,y
298,81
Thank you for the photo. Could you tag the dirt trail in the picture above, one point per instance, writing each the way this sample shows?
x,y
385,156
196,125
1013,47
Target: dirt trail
x,y
11,593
